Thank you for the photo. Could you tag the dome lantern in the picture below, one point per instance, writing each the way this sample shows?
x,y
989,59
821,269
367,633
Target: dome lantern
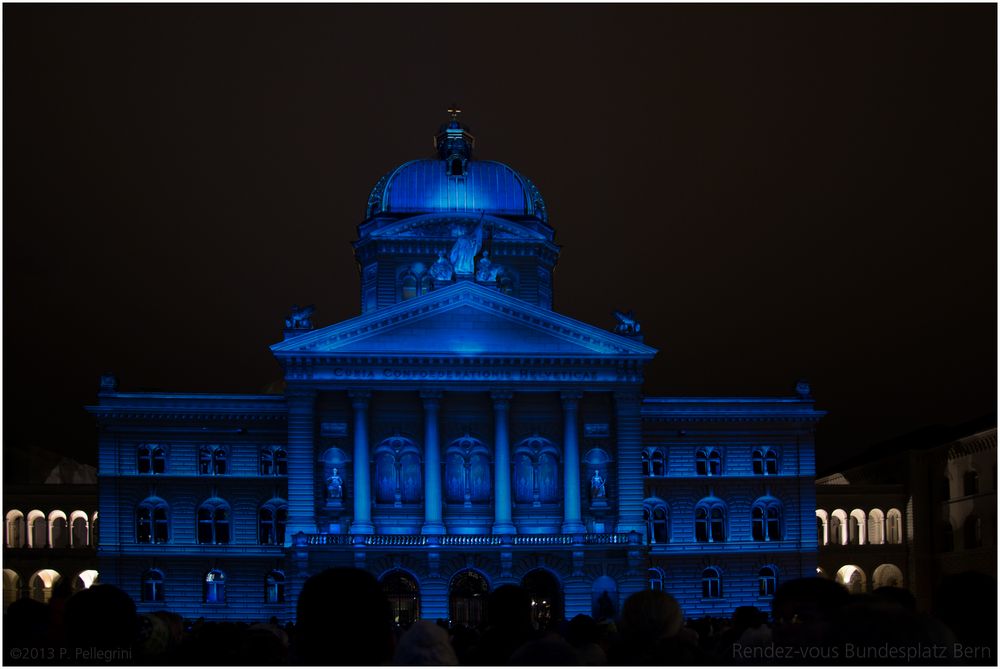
x,y
454,144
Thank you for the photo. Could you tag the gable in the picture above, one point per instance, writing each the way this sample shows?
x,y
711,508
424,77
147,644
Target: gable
x,y
463,319
464,330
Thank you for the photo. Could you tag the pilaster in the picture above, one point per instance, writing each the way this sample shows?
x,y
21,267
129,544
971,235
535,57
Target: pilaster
x,y
362,475
432,465
628,422
301,456
503,522
572,522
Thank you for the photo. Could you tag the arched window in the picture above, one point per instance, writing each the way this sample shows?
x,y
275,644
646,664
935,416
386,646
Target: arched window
x,y
404,596
947,537
151,523
654,512
546,597
765,461
894,526
215,587
767,579
654,461
58,530
15,529
973,531
272,517
151,459
38,529
838,527
213,522
274,587
467,598
876,527
856,528
79,530
657,579
765,519
710,521
152,586
536,472
408,286
708,462
273,461
426,284
397,472
970,483
604,598
212,460
711,583
467,472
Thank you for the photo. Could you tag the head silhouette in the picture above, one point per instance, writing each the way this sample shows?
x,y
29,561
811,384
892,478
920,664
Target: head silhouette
x,y
343,618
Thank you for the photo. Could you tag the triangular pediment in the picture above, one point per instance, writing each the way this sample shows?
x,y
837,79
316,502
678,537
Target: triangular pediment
x,y
466,320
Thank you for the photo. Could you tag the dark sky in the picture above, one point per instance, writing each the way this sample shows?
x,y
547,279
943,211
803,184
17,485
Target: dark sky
x,y
777,191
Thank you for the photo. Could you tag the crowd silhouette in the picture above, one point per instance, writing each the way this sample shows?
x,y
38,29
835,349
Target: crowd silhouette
x,y
343,618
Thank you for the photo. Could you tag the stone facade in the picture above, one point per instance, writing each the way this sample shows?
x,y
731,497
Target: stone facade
x,y
457,435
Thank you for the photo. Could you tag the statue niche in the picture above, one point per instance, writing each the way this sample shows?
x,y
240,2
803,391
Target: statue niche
x,y
334,461
398,478
536,471
467,472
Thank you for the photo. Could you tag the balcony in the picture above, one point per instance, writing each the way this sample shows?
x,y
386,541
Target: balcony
x,y
468,540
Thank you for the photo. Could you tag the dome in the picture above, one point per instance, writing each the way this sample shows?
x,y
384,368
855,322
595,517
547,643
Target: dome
x,y
454,182
425,186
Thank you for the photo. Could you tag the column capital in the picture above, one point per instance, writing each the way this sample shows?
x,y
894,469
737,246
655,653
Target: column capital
x,y
359,398
431,398
570,398
501,399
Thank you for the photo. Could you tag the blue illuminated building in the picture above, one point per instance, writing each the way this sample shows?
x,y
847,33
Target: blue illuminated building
x,y
458,434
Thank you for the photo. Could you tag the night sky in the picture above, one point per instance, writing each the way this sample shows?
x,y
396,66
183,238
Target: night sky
x,y
779,192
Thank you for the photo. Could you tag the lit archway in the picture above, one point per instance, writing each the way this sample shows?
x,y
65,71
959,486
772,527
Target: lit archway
x,y
546,597
11,587
853,578
467,598
887,575
84,580
41,583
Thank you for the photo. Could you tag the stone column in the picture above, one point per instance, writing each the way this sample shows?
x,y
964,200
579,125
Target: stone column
x,y
432,465
628,426
362,476
301,461
503,522
572,522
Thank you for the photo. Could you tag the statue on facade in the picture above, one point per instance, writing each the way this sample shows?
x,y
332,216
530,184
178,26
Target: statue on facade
x,y
334,486
441,270
299,319
597,490
486,271
463,251
627,325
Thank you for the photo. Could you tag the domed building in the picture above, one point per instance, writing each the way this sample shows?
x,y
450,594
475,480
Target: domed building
x,y
456,435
